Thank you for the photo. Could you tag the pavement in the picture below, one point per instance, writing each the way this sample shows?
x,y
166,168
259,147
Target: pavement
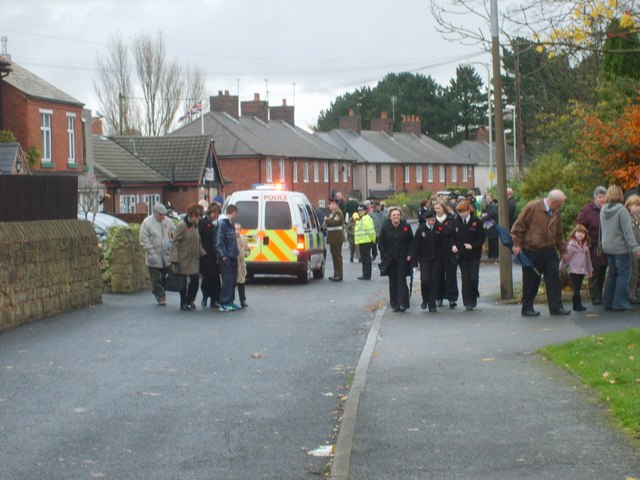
x,y
465,395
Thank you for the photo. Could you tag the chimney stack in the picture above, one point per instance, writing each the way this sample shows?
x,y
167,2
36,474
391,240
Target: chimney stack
x,y
255,108
96,126
283,113
382,124
224,103
351,122
482,135
412,124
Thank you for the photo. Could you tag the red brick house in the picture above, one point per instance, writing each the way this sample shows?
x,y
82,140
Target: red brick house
x,y
262,145
41,115
139,172
405,161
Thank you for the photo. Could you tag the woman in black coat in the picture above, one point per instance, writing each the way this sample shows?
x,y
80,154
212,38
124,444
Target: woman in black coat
x,y
469,238
448,287
209,263
394,243
490,220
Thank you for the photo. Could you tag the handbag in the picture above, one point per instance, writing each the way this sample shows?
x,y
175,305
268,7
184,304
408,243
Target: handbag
x,y
598,252
385,266
175,282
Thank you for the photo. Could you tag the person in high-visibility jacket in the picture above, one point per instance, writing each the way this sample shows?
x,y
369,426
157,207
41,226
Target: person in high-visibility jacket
x,y
365,239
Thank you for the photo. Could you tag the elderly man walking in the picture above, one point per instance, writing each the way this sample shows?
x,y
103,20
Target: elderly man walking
x,y
538,233
156,235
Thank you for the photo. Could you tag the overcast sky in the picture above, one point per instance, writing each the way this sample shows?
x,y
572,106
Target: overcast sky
x,y
316,49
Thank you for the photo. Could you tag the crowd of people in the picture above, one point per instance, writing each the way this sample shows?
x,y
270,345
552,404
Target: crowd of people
x,y
603,246
205,243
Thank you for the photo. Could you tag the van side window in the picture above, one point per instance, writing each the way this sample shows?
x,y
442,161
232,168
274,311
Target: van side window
x,y
312,216
247,214
277,216
305,218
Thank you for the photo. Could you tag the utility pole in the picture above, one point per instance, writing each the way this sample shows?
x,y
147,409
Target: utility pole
x,y
506,275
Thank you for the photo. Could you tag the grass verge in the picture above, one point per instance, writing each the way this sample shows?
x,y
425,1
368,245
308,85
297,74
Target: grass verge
x,y
610,364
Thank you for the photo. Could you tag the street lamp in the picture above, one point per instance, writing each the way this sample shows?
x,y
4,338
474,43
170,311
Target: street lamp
x,y
512,109
490,122
18,165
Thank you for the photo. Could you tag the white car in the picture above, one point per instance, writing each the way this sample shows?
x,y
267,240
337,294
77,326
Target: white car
x,y
102,222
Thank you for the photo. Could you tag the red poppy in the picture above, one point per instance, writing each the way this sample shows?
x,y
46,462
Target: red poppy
x,y
406,229
439,229
473,224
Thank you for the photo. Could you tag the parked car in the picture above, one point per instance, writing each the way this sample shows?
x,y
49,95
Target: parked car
x,y
101,223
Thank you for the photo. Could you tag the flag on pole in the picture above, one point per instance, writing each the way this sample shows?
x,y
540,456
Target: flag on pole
x,y
195,108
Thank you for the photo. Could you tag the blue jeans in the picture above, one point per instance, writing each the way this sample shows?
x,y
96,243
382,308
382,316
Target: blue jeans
x,y
616,286
229,277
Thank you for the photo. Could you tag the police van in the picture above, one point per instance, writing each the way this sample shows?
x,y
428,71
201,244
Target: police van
x,y
282,231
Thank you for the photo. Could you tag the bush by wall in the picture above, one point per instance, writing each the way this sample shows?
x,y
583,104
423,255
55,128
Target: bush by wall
x,y
122,262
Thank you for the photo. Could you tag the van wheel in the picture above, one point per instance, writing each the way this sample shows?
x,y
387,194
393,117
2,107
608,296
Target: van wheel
x,y
305,276
319,273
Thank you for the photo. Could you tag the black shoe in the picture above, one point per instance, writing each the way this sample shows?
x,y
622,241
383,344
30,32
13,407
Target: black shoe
x,y
243,304
351,260
203,303
579,308
335,279
562,311
452,304
530,313
433,309
468,308
395,309
364,278
597,302
423,306
403,309
185,307
440,303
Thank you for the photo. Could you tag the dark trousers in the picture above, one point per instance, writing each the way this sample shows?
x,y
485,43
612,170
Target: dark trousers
x,y
448,284
365,257
430,273
470,277
374,250
596,282
336,258
576,281
494,244
158,278
398,289
229,277
547,263
210,286
190,290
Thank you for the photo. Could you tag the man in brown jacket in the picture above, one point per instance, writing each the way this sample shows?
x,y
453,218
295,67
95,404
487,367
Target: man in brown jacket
x,y
334,223
538,233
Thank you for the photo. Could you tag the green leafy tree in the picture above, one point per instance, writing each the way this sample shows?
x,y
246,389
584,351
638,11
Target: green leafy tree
x,y
7,137
621,57
467,104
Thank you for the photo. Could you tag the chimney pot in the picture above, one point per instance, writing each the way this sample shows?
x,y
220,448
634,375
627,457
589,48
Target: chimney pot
x,y
219,92
226,93
256,97
351,112
284,102
383,115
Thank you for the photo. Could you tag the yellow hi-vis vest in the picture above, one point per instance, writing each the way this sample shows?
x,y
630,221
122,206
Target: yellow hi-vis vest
x,y
365,230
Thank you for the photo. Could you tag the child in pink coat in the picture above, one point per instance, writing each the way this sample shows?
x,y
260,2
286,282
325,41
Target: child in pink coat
x,y
578,262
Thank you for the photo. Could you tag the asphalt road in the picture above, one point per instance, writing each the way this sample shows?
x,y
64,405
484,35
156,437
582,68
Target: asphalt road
x,y
131,390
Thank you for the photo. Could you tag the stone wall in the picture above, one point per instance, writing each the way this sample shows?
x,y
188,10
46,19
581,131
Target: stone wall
x,y
47,267
128,272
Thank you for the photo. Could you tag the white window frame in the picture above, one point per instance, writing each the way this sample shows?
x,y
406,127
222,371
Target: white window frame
x,y
305,171
443,174
294,167
71,136
454,173
269,177
430,173
336,172
316,172
345,172
407,174
282,170
418,173
325,167
46,136
465,173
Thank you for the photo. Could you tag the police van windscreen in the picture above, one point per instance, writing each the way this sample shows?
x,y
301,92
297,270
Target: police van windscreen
x,y
277,216
247,214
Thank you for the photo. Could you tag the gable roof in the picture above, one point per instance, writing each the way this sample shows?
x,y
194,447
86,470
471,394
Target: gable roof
x,y
36,87
430,150
112,162
477,151
177,158
9,153
249,136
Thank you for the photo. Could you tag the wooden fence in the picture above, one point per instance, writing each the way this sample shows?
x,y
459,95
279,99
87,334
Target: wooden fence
x,y
38,197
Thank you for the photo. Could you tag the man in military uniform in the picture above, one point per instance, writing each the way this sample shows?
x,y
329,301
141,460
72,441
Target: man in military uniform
x,y
334,223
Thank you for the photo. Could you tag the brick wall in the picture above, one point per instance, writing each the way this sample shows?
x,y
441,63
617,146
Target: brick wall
x,y
127,270
48,267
